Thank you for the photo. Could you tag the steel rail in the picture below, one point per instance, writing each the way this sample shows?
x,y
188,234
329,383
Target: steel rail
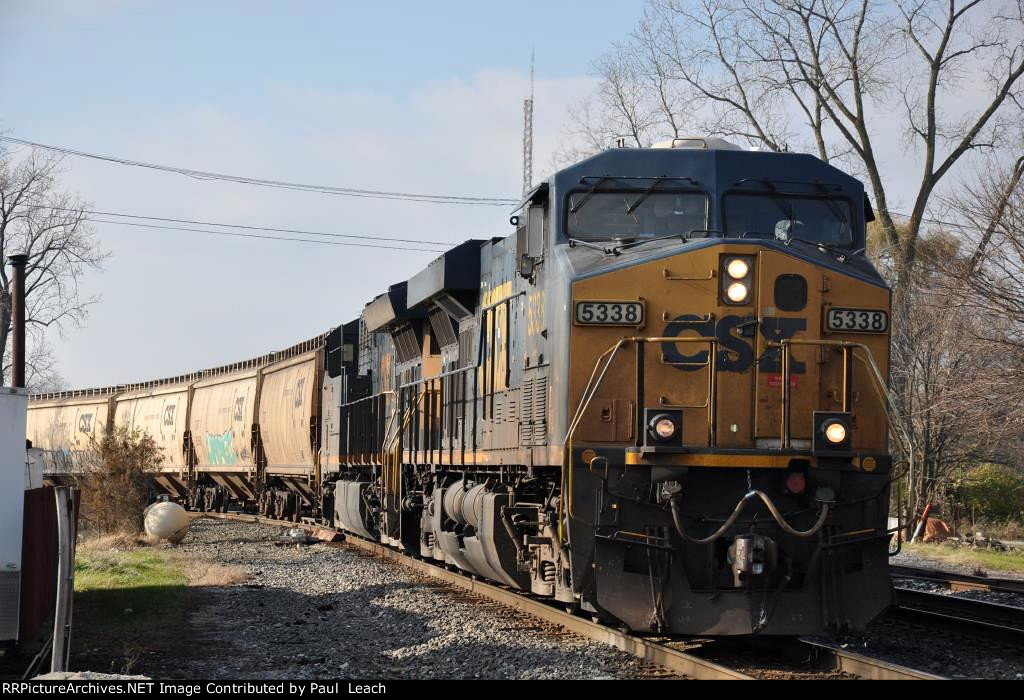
x,y
647,650
865,667
959,582
999,623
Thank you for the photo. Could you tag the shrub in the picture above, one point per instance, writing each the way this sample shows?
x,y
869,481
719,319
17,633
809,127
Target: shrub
x,y
114,481
994,492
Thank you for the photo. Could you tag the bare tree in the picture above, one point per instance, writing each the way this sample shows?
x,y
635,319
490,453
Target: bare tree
x,y
831,74
958,338
960,402
631,104
989,283
50,226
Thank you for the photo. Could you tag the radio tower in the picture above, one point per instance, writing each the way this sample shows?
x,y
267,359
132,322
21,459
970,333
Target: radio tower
x,y
528,135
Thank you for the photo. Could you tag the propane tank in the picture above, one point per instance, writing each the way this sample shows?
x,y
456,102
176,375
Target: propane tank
x,y
166,521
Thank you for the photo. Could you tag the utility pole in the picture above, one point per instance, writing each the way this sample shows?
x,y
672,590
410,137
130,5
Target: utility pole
x,y
528,135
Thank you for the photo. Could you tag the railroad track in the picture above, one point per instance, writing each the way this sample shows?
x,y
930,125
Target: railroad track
x,y
1003,624
999,623
959,582
655,651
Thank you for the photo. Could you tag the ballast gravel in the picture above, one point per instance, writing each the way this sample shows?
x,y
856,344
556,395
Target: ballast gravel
x,y
327,611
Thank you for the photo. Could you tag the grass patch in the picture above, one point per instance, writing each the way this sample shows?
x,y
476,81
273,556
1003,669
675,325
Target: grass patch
x,y
127,590
132,602
984,559
124,600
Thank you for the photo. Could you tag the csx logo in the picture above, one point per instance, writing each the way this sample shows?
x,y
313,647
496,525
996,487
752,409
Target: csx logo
x,y
85,423
735,336
169,412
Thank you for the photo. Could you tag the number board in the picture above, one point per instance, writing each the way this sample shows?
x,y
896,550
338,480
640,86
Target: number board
x,y
610,313
857,320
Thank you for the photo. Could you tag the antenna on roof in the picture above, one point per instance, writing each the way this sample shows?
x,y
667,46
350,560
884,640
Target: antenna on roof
x,y
528,135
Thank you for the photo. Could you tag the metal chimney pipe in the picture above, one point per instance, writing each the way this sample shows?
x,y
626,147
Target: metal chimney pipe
x,y
18,319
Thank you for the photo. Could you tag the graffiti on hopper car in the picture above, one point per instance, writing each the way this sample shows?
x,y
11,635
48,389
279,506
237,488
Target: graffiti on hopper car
x,y
221,448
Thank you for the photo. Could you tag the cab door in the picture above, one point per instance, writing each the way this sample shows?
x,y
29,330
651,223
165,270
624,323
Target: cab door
x,y
789,307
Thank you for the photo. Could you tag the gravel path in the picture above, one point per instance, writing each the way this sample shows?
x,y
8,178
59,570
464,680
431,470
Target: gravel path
x,y
327,611
324,611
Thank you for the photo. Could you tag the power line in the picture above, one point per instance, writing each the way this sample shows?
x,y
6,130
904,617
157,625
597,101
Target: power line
x,y
278,184
265,237
166,219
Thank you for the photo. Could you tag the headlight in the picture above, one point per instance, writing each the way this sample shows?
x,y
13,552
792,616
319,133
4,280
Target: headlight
x,y
737,292
835,432
832,433
737,268
664,428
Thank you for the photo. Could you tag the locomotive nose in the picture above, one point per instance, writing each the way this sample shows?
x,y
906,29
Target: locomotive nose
x,y
733,401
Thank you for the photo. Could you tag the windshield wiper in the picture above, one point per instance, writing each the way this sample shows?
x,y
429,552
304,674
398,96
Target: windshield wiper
x,y
645,194
634,244
833,207
681,236
576,207
573,242
780,201
841,255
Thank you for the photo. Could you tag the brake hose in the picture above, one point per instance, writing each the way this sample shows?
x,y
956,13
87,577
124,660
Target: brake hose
x,y
677,518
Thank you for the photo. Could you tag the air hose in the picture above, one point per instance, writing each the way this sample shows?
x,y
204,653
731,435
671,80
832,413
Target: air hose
x,y
677,518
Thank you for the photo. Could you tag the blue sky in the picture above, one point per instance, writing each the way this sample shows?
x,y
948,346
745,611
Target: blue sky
x,y
118,60
398,96
411,96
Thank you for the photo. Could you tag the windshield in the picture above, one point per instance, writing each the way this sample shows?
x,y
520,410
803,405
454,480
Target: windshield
x,y
784,217
629,215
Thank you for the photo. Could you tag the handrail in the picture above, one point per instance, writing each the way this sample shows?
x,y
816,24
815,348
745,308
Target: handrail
x,y
591,389
371,397
880,385
443,375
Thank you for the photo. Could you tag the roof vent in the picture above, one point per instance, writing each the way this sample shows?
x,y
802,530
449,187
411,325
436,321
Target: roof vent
x,y
706,143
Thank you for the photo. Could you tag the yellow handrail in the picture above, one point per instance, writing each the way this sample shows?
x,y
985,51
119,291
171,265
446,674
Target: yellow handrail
x,y
591,389
880,385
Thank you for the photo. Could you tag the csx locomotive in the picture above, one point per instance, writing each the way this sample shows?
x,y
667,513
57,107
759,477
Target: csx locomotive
x,y
660,401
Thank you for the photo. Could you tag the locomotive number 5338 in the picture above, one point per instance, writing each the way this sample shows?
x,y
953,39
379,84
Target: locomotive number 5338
x,y
857,321
609,313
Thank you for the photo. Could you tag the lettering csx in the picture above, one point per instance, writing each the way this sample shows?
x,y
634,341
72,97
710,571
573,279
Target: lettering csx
x,y
735,336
